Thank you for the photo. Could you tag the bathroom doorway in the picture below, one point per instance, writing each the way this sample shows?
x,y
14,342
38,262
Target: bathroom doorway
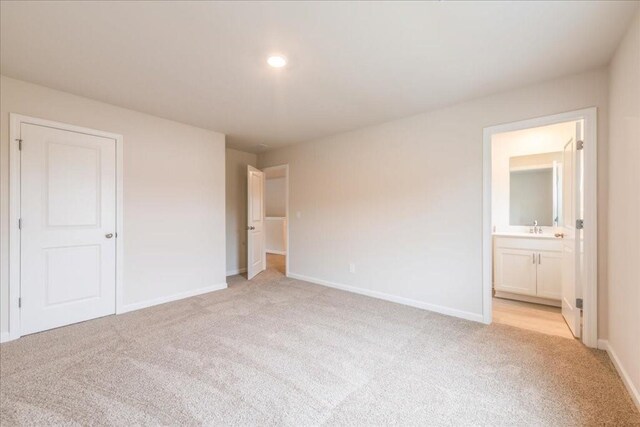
x,y
540,225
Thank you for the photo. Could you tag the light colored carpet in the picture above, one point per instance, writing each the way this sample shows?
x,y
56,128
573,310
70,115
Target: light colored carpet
x,y
285,352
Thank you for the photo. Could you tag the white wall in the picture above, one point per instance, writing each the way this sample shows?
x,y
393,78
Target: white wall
x,y
275,235
236,166
624,207
545,139
403,200
173,192
275,195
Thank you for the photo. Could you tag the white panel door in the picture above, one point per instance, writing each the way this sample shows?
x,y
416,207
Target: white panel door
x,y
571,209
516,271
256,257
549,274
68,217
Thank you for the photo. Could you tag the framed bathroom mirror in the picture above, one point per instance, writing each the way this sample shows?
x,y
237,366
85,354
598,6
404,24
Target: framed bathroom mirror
x,y
535,190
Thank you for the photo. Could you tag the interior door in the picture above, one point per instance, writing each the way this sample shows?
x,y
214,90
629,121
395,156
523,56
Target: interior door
x,y
571,211
68,223
256,257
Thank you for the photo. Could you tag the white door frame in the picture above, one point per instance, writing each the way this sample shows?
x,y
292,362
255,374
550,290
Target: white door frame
x,y
590,282
16,120
286,198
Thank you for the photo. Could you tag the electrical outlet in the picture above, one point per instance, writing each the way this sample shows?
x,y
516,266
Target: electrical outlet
x,y
352,267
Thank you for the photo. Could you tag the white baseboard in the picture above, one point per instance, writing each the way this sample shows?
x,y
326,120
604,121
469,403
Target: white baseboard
x,y
182,295
626,379
393,298
273,251
237,271
5,337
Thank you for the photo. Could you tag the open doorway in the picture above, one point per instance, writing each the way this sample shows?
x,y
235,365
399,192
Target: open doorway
x,y
540,225
275,205
268,220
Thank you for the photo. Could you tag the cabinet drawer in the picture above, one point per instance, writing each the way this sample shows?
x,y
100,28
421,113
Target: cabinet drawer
x,y
531,244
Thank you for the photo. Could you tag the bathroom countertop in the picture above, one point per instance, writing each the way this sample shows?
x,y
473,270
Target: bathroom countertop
x,y
548,235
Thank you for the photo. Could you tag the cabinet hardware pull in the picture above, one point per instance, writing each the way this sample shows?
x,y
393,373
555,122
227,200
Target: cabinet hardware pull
x,y
534,258
539,259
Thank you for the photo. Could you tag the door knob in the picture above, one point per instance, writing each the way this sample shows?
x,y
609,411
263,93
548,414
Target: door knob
x,y
251,227
560,235
108,235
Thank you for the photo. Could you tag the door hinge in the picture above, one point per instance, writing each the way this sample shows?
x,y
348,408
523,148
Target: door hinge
x,y
19,223
579,145
579,303
19,144
20,302
579,224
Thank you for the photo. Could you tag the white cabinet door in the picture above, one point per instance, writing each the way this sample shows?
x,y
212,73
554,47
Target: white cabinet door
x,y
549,274
516,271
68,245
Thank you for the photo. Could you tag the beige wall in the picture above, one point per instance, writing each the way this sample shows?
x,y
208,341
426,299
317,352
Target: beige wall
x,y
403,200
236,166
173,192
624,206
275,197
275,232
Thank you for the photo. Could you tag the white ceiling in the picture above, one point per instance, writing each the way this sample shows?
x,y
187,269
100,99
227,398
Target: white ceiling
x,y
351,64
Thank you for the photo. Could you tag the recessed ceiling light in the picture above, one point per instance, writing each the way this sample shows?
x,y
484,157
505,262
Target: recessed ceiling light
x,y
277,61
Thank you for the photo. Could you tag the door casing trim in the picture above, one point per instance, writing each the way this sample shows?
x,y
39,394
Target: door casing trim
x,y
590,279
15,122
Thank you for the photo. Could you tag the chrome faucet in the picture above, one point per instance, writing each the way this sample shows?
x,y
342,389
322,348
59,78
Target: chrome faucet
x,y
535,229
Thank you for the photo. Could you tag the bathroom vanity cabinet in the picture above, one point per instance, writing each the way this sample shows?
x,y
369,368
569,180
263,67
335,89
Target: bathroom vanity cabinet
x,y
528,267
